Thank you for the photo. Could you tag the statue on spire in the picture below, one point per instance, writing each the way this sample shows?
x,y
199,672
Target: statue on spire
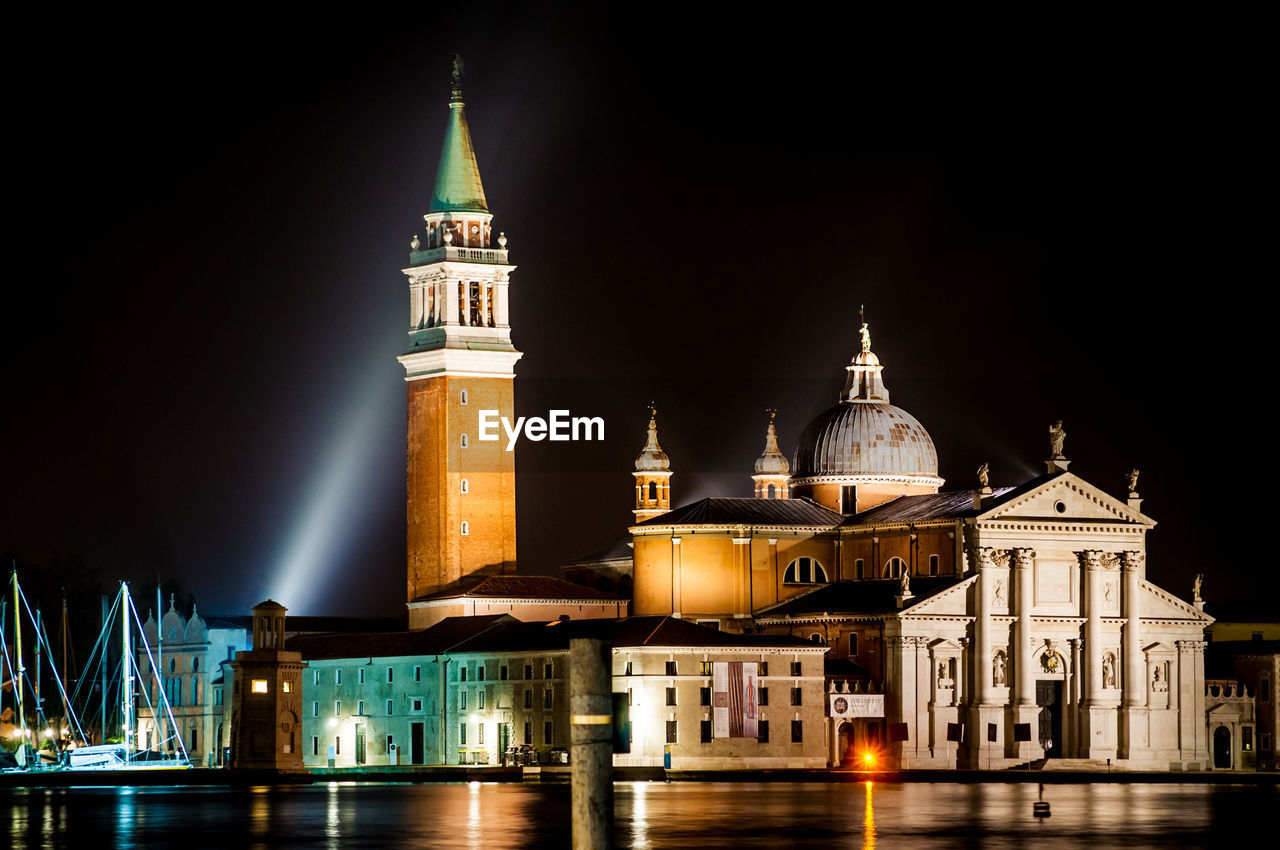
x,y
865,333
455,76
984,475
1057,436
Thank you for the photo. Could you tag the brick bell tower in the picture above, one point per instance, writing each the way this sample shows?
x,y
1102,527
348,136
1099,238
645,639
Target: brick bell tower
x,y
461,508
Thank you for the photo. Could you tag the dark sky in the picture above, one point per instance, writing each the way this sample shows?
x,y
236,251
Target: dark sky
x,y
207,225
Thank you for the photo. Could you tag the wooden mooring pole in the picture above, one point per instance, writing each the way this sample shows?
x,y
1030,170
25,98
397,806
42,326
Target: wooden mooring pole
x,y
591,718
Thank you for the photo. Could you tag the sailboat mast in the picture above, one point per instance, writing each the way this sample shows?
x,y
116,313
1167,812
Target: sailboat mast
x,y
66,709
155,709
126,672
102,685
35,686
17,642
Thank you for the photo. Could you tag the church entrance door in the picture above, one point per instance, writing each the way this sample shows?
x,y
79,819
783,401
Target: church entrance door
x,y
1222,747
415,743
844,743
1049,698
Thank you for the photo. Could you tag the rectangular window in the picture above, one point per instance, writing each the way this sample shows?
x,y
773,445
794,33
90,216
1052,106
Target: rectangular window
x,y
671,696
217,696
480,699
853,645
417,703
479,734
528,733
391,673
360,676
337,677
528,671
796,696
704,727
1264,689
933,565
315,745
389,706
462,734
315,677
627,672
315,709
337,707
417,673
706,668
286,687
259,686
462,674
671,668
546,733
337,745
671,732
797,731
764,696
195,738
1246,738
502,673
462,700
360,708
1257,635
704,696
762,732
628,697
857,568
763,669
479,674
1264,741
390,743
546,698
528,698
546,671
795,669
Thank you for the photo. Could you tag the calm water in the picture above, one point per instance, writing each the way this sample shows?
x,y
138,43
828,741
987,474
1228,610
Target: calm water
x,y
651,815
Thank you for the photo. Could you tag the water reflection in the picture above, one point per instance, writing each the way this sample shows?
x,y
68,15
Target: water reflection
x,y
649,815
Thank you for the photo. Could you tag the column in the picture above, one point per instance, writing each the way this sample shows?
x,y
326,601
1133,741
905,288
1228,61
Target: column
x,y
741,554
450,288
1024,578
982,628
486,320
416,295
1134,681
465,295
500,306
1091,563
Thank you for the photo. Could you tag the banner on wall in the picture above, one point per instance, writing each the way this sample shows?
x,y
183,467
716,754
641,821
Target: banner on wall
x,y
857,705
735,699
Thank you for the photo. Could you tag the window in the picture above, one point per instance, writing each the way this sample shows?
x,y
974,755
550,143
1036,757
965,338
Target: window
x,y
627,671
462,700
315,745
796,696
704,728
1264,689
762,732
315,677
360,676
804,571
502,673
653,491
853,645
337,745
479,699
629,700
464,441
416,704
466,486
337,707
857,568
671,732
479,734
391,672
1257,636
1264,741
359,708
797,731
417,673
849,499
259,686
462,674
796,669
390,743
217,696
546,698
528,698
671,668
764,696
546,671
462,734
463,397
466,528
337,677
528,671
763,668
388,708
315,709
706,668
528,733
286,686
671,696
894,568
479,674
704,696
933,565
195,737
1246,738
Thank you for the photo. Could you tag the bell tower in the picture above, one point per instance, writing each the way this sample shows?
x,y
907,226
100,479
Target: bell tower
x,y
461,506
772,470
653,476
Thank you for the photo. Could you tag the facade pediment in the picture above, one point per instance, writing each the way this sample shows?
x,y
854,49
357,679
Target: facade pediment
x,y
1067,497
954,602
1160,604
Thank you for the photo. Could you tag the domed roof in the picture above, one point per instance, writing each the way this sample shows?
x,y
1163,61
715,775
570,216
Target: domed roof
x,y
860,438
652,458
771,461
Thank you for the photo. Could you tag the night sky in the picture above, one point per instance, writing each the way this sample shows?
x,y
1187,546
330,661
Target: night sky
x,y
204,301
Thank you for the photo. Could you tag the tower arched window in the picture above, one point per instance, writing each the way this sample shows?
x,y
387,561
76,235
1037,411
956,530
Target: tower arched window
x,y
857,568
804,571
463,397
653,491
466,486
466,528
933,565
465,442
894,568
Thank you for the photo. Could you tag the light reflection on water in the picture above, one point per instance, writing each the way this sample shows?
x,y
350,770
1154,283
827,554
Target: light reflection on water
x,y
649,815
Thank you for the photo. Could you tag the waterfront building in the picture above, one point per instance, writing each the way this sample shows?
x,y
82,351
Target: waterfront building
x,y
266,695
1243,657
489,689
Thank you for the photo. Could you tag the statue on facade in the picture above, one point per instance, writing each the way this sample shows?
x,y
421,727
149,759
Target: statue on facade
x,y
904,584
1057,436
1195,588
997,669
1108,670
997,596
984,475
1132,477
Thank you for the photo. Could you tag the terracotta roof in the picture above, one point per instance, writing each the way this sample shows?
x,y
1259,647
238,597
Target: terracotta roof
x,y
952,504
440,638
718,511
518,587
877,596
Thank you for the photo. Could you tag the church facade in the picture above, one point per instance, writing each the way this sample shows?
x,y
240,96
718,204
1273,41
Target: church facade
x,y
1002,626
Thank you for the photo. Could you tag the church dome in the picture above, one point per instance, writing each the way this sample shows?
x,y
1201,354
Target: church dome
x,y
652,458
858,438
771,461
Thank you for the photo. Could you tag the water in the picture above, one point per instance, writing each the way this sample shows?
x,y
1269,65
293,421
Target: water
x,y
649,815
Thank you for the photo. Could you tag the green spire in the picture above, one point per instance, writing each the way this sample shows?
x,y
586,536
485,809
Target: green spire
x,y
458,187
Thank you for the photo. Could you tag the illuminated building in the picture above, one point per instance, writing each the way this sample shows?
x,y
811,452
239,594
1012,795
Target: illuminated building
x,y
1003,625
266,697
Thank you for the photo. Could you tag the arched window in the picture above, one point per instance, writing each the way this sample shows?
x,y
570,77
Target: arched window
x,y
466,487
895,568
464,441
857,568
466,528
805,571
464,397
818,639
653,491
933,565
